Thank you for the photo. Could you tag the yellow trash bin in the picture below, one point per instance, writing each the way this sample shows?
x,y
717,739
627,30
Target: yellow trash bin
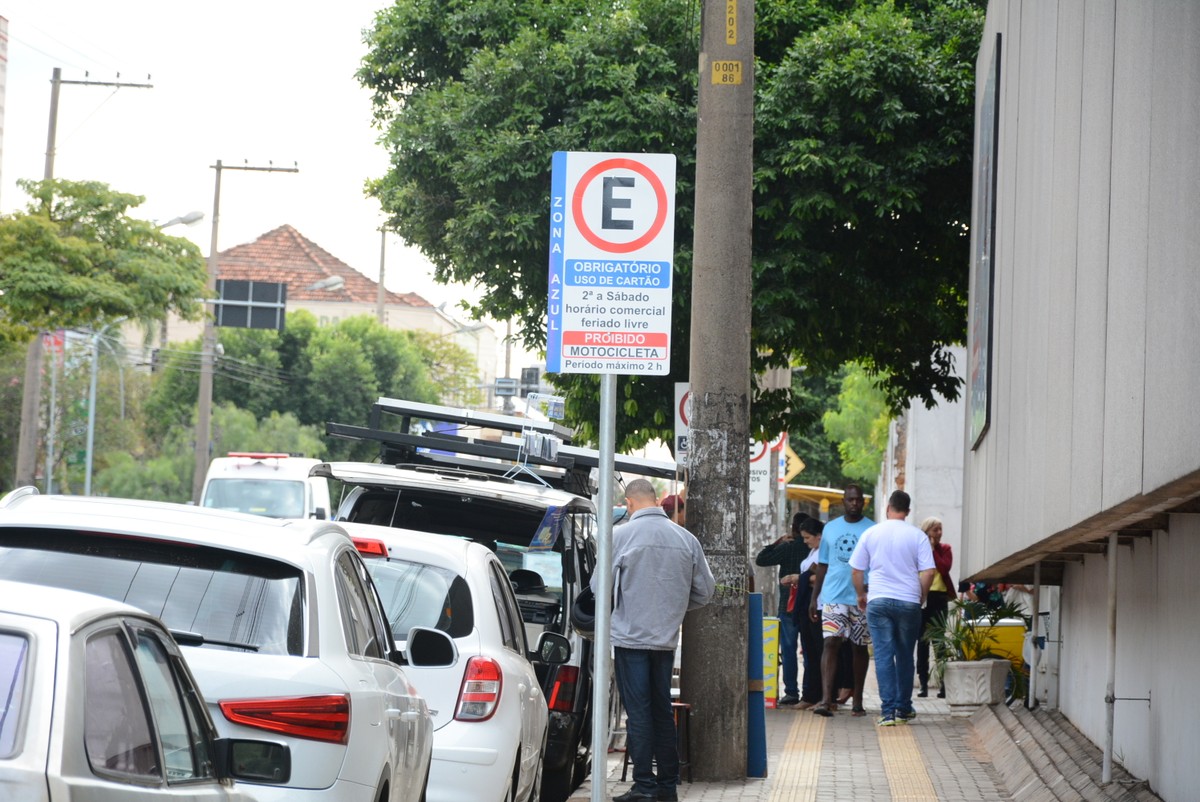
x,y
1008,639
770,660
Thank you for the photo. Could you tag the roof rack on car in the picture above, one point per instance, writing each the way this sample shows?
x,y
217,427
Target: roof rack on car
x,y
414,433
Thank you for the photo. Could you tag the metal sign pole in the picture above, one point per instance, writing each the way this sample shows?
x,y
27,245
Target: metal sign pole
x,y
604,572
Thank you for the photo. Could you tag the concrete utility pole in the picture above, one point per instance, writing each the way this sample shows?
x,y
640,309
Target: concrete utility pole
x,y
714,674
31,396
208,345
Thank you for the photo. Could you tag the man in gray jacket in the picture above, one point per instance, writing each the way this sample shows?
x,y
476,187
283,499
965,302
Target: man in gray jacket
x,y
659,573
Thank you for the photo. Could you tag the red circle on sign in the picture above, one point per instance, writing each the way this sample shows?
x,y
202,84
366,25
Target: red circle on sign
x,y
754,445
660,193
683,407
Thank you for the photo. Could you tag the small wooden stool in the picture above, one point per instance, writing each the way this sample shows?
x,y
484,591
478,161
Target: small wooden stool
x,y
683,741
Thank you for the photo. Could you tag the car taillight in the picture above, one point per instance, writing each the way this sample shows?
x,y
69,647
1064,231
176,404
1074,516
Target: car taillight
x,y
319,718
480,694
369,547
562,692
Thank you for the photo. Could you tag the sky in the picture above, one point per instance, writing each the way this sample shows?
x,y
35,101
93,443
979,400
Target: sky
x,y
257,82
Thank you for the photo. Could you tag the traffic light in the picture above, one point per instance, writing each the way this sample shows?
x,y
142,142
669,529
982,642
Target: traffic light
x,y
531,380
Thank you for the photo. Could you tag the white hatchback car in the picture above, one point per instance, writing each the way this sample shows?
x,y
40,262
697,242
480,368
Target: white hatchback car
x,y
99,705
489,710
279,621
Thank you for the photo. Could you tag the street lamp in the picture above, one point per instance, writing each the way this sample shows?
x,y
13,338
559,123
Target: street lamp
x,y
331,283
188,219
91,423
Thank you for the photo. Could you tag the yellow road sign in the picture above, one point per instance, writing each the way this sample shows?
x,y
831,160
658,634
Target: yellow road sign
x,y
794,464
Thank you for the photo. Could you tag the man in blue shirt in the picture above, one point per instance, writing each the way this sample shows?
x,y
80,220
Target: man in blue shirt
x,y
835,603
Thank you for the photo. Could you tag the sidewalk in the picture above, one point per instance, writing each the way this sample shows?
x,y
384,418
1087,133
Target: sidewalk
x,y
935,758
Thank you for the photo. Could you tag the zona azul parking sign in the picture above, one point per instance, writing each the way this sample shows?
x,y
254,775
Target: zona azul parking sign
x,y
612,244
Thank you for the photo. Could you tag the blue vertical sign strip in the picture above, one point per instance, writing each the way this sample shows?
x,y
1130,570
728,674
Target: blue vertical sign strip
x,y
558,221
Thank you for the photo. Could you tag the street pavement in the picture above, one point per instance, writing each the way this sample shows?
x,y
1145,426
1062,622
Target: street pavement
x,y
935,758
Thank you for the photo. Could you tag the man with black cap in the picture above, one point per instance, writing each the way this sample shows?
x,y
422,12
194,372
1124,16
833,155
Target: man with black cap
x,y
900,560
787,552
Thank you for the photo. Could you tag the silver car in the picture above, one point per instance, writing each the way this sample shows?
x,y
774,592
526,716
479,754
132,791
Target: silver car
x,y
99,705
279,621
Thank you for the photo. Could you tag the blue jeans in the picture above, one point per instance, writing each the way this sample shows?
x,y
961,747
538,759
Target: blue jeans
x,y
787,645
644,681
895,626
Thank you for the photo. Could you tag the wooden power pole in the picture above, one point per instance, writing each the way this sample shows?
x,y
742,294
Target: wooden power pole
x,y
714,675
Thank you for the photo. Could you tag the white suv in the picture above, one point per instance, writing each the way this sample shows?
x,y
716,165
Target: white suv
x,y
279,621
544,537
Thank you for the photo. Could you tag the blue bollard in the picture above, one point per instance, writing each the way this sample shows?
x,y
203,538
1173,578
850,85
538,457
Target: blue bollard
x,y
756,715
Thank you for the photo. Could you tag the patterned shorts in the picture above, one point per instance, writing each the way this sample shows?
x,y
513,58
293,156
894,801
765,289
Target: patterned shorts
x,y
845,621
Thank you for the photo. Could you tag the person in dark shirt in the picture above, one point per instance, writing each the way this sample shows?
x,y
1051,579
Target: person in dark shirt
x,y
787,552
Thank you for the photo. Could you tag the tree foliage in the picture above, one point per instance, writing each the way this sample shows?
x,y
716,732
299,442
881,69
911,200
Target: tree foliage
x,y
861,182
859,424
75,259
167,474
315,374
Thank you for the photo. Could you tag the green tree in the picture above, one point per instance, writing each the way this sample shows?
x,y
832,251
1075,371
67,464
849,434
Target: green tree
x,y
166,474
862,169
451,368
75,259
316,374
816,394
859,425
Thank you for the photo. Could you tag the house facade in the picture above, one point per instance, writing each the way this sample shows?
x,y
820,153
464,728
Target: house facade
x,y
1082,447
333,291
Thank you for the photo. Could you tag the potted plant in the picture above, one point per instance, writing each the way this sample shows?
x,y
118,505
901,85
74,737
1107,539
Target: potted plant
x,y
971,664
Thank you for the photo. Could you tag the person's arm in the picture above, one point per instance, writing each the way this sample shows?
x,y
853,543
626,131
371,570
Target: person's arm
x,y
774,553
857,576
926,581
703,583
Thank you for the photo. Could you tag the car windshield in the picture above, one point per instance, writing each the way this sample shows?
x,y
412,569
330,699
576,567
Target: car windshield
x,y
418,595
220,595
273,498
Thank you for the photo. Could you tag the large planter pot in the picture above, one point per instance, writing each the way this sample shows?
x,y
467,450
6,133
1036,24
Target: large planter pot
x,y
972,683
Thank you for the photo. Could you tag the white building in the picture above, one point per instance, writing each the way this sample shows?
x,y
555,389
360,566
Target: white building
x,y
1084,355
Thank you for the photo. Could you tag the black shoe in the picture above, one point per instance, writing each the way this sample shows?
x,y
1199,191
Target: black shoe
x,y
634,795
789,700
941,693
668,796
923,692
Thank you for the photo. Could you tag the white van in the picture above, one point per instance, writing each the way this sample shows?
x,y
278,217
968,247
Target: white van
x,y
272,485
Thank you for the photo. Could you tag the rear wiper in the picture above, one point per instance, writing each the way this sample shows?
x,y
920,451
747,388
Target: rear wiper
x,y
185,638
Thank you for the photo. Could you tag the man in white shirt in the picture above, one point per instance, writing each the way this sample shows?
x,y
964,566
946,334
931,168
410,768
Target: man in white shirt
x,y
900,560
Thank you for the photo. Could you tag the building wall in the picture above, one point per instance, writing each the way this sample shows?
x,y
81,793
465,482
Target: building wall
x,y
931,453
1096,337
1157,648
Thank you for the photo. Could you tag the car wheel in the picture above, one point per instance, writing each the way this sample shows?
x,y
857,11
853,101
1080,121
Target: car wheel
x,y
535,790
425,785
514,781
558,784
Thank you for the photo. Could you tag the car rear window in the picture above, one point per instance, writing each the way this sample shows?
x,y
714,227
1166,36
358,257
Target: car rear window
x,y
418,595
14,658
242,600
273,498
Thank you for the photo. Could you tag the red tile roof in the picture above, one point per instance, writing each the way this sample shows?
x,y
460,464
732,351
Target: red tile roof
x,y
286,256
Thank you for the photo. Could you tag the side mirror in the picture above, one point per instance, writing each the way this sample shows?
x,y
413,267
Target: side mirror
x,y
552,649
427,647
267,762
320,514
